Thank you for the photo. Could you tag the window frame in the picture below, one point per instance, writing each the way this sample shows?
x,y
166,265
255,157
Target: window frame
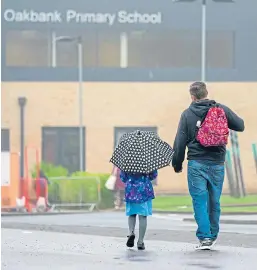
x,y
59,130
41,35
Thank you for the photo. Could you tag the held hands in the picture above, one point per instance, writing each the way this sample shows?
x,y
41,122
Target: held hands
x,y
178,169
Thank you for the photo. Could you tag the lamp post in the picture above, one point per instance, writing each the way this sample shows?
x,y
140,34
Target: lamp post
x,y
78,40
203,32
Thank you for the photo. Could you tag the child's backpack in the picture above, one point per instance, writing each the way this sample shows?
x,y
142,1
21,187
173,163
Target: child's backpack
x,y
213,129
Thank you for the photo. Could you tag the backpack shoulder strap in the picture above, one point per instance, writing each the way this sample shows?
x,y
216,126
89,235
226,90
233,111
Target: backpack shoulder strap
x,y
214,105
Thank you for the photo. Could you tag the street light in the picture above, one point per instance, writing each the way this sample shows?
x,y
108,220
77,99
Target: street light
x,y
203,32
78,40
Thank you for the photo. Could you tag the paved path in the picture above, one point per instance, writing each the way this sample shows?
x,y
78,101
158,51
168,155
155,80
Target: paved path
x,y
38,250
96,241
165,228
118,220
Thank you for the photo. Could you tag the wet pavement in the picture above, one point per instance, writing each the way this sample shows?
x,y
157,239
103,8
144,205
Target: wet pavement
x,y
97,241
47,250
160,227
118,219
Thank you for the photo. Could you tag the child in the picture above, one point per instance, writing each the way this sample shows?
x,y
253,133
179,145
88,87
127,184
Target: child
x,y
139,194
41,188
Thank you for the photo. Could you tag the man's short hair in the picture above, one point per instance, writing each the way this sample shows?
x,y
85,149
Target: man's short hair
x,y
198,90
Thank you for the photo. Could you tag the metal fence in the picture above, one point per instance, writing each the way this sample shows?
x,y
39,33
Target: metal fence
x,y
75,192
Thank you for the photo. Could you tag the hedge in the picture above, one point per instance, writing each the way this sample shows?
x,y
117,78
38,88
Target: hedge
x,y
80,187
72,190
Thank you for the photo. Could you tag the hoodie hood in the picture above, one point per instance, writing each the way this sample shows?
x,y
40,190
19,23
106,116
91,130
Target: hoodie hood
x,y
201,107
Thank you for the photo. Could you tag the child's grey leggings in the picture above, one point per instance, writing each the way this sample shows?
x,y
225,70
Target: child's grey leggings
x,y
142,226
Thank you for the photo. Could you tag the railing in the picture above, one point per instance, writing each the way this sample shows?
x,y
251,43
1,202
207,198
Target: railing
x,y
74,192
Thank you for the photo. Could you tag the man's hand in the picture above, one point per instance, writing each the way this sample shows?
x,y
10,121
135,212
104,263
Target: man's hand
x,y
178,169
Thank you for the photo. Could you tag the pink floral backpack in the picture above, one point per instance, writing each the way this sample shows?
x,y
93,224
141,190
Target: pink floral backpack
x,y
213,129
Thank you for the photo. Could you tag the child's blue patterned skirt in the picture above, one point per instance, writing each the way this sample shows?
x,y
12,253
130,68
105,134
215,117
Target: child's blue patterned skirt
x,y
142,209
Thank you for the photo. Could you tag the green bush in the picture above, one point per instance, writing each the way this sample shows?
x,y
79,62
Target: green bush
x,y
50,170
54,194
106,195
80,187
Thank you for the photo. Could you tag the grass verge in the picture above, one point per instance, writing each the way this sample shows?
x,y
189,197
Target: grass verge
x,y
184,203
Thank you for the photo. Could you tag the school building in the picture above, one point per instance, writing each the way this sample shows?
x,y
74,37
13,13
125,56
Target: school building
x,y
139,58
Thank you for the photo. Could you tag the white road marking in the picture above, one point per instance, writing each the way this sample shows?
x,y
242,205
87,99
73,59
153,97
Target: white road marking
x,y
26,232
168,217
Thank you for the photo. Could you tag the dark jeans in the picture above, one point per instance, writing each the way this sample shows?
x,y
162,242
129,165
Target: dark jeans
x,y
205,182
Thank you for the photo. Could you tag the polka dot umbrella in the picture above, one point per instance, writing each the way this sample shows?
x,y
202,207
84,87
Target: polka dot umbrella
x,y
141,152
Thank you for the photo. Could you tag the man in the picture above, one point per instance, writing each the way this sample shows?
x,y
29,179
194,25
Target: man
x,y
205,164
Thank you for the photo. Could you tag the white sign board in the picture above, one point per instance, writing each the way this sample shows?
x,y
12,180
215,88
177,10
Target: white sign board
x,y
5,168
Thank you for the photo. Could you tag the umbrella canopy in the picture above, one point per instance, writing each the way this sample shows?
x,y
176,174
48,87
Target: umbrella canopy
x,y
141,152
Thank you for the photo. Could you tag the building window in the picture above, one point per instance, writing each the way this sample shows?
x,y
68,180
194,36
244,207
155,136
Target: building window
x,y
66,53
179,49
119,131
108,49
39,49
113,49
28,48
61,147
5,140
220,49
100,49
164,49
